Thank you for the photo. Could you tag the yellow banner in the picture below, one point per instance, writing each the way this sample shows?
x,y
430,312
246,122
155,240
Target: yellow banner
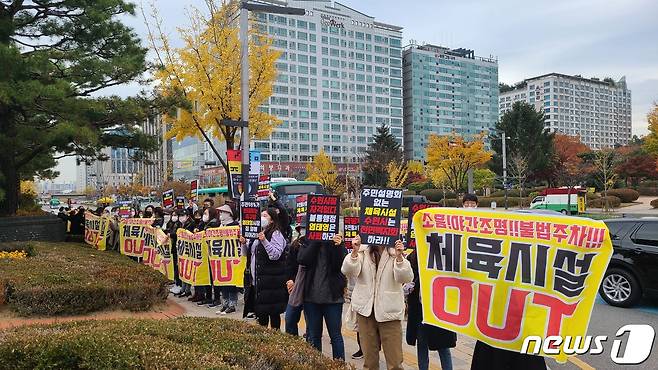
x,y
193,265
132,235
226,262
500,277
157,252
96,230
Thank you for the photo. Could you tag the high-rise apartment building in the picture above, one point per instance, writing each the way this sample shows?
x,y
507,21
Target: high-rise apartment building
x,y
598,111
446,91
339,78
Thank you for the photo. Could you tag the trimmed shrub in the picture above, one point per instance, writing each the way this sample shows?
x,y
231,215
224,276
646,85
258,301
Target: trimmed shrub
x,y
420,186
185,343
27,247
650,191
613,202
435,195
592,196
654,203
625,195
73,279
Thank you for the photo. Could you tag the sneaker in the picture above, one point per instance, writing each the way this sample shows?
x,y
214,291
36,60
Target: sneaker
x,y
203,302
357,355
214,304
228,310
175,289
250,316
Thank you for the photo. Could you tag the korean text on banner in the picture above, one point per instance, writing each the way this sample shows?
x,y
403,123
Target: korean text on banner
x,y
234,159
500,277
96,230
263,187
180,202
380,216
194,187
132,235
350,230
157,253
168,198
250,219
226,261
301,208
323,217
193,265
410,233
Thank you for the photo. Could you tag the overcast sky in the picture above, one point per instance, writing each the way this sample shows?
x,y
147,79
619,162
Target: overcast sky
x,y
592,38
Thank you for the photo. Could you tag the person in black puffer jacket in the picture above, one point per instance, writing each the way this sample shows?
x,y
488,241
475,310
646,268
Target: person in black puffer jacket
x,y
267,265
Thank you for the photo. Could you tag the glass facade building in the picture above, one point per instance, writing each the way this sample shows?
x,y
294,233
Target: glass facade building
x,y
446,91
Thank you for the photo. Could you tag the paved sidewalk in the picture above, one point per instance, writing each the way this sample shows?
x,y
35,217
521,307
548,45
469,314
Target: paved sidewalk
x,y
461,355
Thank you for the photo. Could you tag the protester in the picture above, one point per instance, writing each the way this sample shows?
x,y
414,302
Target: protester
x,y
284,218
229,294
186,222
425,337
208,202
62,214
77,220
208,220
191,207
488,357
148,211
324,291
267,266
378,299
159,215
170,230
197,218
296,274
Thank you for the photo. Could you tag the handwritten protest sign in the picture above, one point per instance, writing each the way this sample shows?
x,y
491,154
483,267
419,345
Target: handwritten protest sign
x,y
301,208
264,187
226,262
132,235
380,216
193,265
168,198
350,230
250,219
323,217
500,277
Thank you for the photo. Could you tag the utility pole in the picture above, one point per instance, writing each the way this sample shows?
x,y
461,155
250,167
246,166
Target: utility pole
x,y
505,166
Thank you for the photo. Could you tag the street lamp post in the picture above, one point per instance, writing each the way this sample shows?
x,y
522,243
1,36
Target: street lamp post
x,y
505,166
245,7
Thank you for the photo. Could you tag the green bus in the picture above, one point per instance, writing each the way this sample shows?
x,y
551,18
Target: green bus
x,y
286,191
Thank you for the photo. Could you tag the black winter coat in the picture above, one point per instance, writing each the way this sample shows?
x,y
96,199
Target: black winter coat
x,y
291,264
271,293
436,337
308,257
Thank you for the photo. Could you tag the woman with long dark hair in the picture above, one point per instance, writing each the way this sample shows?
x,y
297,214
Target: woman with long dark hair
x,y
267,265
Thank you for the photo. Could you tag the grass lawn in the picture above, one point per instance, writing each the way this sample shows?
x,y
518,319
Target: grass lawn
x,y
73,279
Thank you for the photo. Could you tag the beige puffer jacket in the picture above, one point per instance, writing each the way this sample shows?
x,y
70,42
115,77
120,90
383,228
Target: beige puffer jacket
x,y
379,288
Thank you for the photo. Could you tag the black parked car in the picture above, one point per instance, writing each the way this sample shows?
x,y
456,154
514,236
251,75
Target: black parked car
x,y
633,268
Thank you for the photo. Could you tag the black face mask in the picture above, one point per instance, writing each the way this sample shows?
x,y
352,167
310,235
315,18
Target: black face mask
x,y
148,214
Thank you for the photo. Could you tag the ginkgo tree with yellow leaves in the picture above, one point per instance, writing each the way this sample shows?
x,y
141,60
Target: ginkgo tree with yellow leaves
x,y
203,76
323,170
399,173
451,158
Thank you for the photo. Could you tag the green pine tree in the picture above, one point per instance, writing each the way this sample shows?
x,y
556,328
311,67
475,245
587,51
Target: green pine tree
x,y
54,56
383,150
528,138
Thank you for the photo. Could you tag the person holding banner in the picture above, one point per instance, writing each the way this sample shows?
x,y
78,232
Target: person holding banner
x,y
267,264
324,291
378,299
208,221
296,274
425,337
229,294
185,222
170,230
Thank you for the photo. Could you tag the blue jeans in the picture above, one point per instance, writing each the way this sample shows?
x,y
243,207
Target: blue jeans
x,y
332,315
230,295
423,353
293,315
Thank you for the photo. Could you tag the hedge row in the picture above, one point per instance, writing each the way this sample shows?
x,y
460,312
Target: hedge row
x,y
613,202
648,190
72,279
435,195
186,343
654,203
625,195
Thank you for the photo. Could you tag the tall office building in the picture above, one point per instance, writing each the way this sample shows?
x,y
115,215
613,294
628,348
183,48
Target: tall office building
x,y
598,111
157,169
339,78
446,91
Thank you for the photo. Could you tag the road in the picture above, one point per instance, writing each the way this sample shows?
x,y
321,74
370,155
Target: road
x,y
606,320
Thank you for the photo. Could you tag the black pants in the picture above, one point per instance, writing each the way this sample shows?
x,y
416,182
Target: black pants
x,y
273,320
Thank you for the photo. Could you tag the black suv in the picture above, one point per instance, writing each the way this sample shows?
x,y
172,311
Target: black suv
x,y
633,268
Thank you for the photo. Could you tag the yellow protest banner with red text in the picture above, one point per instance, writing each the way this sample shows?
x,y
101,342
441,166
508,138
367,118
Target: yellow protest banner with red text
x,y
157,252
226,262
132,235
96,230
500,277
193,267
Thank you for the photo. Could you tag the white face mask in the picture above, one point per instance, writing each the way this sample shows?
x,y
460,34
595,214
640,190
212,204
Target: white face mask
x,y
264,221
174,218
183,219
205,218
